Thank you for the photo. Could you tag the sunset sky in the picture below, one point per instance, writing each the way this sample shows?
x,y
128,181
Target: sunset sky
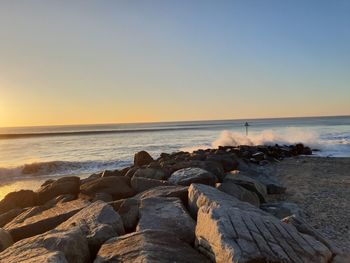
x,y
79,62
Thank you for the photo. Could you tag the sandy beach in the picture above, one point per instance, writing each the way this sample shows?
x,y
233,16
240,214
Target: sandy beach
x,y
321,187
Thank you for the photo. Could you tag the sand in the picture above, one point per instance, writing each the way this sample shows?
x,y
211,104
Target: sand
x,y
321,187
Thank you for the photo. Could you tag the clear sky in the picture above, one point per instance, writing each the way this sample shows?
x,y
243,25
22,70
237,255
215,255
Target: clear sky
x,y
74,62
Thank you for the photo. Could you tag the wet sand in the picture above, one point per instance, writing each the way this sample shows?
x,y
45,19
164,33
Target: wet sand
x,y
321,187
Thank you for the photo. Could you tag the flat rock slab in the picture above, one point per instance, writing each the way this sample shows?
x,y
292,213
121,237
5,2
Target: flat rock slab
x,y
187,176
167,214
165,191
24,226
228,232
148,246
239,192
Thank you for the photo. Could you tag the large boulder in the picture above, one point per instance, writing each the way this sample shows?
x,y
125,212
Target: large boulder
x,y
165,191
248,183
20,199
151,173
5,239
8,216
239,232
36,221
54,246
128,209
239,192
168,214
117,186
98,222
148,246
142,158
140,184
62,186
191,175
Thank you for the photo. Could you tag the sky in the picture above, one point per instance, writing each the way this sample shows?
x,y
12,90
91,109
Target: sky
x,y
86,62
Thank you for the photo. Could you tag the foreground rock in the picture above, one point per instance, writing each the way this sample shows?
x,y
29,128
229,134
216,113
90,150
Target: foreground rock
x,y
167,214
165,191
128,209
191,175
31,223
239,192
5,239
8,216
242,233
98,222
148,246
51,189
70,241
117,186
20,199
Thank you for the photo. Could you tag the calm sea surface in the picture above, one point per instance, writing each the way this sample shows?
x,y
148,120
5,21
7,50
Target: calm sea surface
x,y
30,155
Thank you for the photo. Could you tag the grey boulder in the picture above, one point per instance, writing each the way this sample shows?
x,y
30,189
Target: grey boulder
x,y
191,175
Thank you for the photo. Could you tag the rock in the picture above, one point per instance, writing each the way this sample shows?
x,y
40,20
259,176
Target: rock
x,y
303,227
148,246
5,239
54,246
20,199
229,230
249,184
92,177
204,195
98,222
239,192
142,158
191,175
103,197
140,184
165,191
227,161
117,186
273,188
130,173
65,185
167,214
35,221
107,173
259,156
128,209
282,209
210,166
8,216
151,173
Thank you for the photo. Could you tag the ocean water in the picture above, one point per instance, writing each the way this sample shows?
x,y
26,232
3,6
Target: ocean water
x,y
30,155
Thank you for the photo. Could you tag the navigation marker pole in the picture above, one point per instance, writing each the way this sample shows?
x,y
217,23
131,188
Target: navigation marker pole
x,y
246,128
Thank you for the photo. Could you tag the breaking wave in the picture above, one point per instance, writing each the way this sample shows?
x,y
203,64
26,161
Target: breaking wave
x,y
58,168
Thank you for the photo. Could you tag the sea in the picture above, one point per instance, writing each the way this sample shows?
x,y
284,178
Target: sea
x,y
31,155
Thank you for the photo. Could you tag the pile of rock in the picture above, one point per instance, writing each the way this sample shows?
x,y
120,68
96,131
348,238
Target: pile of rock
x,y
181,207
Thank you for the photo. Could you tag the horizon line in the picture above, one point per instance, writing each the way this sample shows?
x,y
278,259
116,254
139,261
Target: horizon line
x,y
174,121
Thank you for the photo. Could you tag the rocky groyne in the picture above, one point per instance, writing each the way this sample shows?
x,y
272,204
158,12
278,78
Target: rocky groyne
x,y
211,205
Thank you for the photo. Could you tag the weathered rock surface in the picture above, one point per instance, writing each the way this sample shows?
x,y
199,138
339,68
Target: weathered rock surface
x,y
98,222
8,216
165,191
34,221
54,246
282,209
140,184
61,186
239,232
20,199
239,192
228,161
168,214
128,209
117,186
248,183
191,175
142,158
107,173
151,173
5,239
148,246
